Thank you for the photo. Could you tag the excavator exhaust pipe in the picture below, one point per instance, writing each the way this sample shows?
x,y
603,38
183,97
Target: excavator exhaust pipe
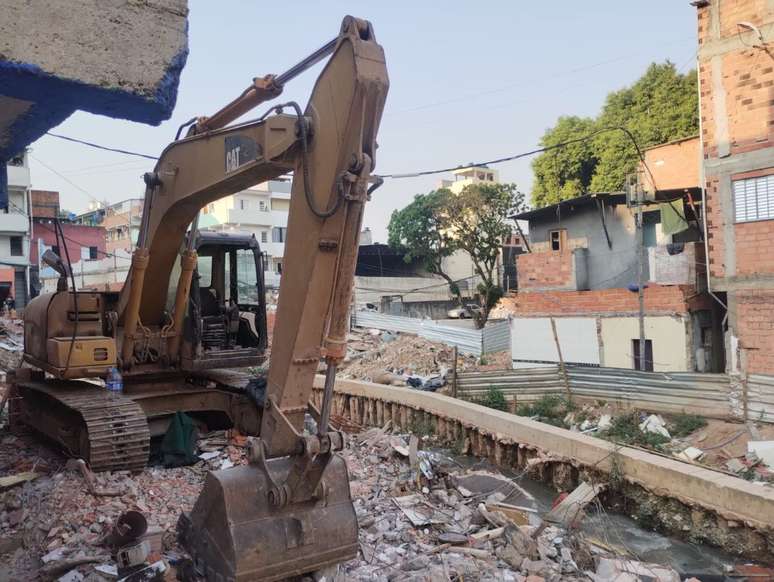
x,y
236,534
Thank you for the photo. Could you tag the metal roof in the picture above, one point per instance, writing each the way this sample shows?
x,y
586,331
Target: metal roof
x,y
567,206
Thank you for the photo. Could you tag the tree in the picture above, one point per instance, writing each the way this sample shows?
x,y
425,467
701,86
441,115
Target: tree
x,y
661,106
478,222
420,231
564,172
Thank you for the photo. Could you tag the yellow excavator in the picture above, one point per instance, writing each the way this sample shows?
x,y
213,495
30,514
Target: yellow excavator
x,y
289,511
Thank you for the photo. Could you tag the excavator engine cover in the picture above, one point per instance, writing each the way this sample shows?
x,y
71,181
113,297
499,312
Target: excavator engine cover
x,y
234,535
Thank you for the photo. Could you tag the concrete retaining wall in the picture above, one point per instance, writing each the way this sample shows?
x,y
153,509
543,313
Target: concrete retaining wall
x,y
731,512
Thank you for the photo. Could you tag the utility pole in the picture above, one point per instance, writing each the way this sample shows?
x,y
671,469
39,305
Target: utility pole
x,y
640,270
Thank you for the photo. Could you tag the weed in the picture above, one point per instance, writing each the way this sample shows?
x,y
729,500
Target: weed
x,y
421,427
550,409
684,424
458,446
494,398
626,429
616,478
482,361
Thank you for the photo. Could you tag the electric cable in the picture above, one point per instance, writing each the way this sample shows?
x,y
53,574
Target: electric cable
x,y
101,147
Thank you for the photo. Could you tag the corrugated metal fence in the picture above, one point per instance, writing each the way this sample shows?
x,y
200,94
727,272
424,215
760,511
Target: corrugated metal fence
x,y
495,337
669,392
760,398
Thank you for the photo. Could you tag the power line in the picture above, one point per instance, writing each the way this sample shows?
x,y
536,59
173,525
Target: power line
x,y
528,154
101,147
65,178
81,243
415,174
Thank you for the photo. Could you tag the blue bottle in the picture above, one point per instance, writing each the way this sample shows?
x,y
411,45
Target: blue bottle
x,y
114,381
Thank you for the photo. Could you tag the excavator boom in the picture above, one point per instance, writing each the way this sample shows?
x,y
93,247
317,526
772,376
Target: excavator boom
x,y
290,511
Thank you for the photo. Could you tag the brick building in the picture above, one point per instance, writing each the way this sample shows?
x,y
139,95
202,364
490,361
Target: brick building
x,y
83,243
736,84
582,271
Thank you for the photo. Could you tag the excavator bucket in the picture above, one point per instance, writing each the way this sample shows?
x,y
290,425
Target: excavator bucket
x,y
235,535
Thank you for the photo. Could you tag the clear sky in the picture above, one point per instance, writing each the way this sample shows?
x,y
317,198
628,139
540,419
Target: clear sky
x,y
469,81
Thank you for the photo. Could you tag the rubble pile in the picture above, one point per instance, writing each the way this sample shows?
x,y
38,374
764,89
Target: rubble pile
x,y
392,358
55,519
11,343
743,449
422,516
426,518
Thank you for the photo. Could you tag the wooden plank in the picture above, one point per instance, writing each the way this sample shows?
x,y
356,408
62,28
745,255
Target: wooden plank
x,y
18,479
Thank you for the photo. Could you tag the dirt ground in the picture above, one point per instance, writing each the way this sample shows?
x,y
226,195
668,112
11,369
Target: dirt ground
x,y
722,440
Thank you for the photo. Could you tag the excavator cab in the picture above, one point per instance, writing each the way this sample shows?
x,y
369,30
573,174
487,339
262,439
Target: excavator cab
x,y
226,322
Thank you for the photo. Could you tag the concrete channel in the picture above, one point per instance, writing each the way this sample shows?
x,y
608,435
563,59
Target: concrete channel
x,y
678,498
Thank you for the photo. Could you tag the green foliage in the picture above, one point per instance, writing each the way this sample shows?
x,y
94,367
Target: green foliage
x,y
659,107
421,232
625,429
550,409
564,172
478,223
437,224
494,398
684,424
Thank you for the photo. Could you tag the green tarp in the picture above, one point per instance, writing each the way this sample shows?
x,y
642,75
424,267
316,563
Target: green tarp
x,y
178,447
673,217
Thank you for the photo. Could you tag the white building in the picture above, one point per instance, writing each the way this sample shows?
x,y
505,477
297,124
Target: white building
x,y
459,266
262,211
470,175
15,233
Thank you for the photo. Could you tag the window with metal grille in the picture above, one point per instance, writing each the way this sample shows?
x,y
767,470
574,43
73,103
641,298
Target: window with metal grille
x,y
754,198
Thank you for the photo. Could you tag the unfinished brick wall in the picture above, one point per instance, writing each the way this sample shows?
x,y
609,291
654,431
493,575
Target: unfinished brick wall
x,y
753,248
658,299
747,77
736,85
546,270
755,329
715,224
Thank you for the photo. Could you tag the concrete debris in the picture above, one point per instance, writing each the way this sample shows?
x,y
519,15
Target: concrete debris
x,y
690,454
71,576
569,511
605,422
764,450
408,360
615,570
735,465
655,424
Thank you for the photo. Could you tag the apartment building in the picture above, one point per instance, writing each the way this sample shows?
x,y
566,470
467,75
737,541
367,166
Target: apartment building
x,y
262,211
15,234
121,222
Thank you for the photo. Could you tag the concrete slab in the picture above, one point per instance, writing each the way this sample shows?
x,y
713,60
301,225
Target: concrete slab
x,y
120,58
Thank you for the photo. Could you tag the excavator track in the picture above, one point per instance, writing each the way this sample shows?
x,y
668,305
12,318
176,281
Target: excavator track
x,y
108,430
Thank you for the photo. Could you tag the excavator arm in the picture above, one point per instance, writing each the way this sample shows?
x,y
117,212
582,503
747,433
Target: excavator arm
x,y
331,150
290,511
